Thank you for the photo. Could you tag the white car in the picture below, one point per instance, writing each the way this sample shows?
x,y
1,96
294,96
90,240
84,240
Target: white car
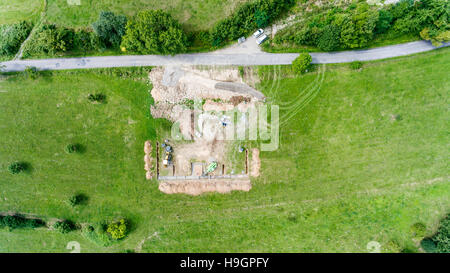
x,y
258,33
261,39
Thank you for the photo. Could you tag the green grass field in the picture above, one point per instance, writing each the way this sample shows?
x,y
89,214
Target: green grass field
x,y
18,10
193,14
364,160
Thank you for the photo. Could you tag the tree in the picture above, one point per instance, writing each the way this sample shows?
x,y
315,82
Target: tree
x,y
357,29
384,21
110,28
329,39
86,40
117,230
301,63
262,18
154,32
50,39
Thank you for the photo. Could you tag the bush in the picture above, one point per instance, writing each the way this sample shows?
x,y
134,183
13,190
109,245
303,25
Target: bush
x,y
442,236
86,40
329,39
357,29
77,199
154,32
64,226
356,65
49,40
72,148
12,36
19,221
117,230
31,72
98,97
384,21
428,245
17,167
110,28
301,64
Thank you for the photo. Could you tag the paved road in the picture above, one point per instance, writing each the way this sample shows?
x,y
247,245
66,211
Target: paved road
x,y
218,58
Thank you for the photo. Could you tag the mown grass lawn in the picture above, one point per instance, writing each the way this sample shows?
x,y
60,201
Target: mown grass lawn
x,y
364,160
19,10
193,14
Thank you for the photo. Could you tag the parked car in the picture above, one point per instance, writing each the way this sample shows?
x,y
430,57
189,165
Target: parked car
x,y
261,39
258,33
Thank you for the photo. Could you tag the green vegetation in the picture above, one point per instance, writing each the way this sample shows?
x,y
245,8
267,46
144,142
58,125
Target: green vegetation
x,y
301,64
248,18
77,199
363,160
72,148
18,221
12,36
70,30
154,32
17,167
110,28
51,40
117,230
356,65
439,242
358,25
64,226
193,14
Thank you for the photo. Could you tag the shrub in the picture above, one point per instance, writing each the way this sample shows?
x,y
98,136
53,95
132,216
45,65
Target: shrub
x,y
19,221
86,40
12,36
442,236
384,21
31,72
64,226
17,167
110,28
357,29
329,39
50,39
72,148
117,230
98,97
428,245
356,65
301,64
77,199
154,32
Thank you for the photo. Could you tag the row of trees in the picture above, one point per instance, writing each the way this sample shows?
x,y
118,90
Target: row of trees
x,y
360,23
151,31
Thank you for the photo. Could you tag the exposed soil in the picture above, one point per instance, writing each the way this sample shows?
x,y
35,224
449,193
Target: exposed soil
x,y
255,165
205,123
197,187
